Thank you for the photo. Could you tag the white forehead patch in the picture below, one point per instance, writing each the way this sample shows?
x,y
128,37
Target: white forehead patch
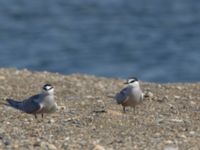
x,y
131,80
47,87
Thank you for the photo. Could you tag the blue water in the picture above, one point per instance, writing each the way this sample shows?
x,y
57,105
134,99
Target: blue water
x,y
155,40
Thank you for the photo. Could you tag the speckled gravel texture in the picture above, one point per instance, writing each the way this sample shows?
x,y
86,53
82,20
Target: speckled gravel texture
x,y
167,119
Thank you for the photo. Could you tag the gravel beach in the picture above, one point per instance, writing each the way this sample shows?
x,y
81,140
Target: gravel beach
x,y
89,119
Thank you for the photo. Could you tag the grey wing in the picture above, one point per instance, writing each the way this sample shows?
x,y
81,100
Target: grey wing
x,y
31,105
122,95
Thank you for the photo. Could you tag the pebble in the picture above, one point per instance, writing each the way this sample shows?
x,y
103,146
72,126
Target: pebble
x,y
160,120
169,142
192,132
148,94
192,103
83,142
37,143
98,147
16,146
159,85
177,120
89,97
67,139
163,99
51,121
65,146
45,145
100,101
190,97
6,142
83,103
157,134
2,78
183,136
62,108
177,97
170,148
1,136
2,131
179,87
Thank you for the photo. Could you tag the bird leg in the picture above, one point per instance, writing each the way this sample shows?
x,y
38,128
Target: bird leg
x,y
35,116
42,115
134,110
124,110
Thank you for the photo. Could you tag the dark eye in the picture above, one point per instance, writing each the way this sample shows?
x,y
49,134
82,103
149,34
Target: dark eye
x,y
47,86
132,81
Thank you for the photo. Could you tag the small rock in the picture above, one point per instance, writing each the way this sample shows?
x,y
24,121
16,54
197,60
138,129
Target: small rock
x,y
169,142
183,136
83,103
100,102
89,96
6,142
159,85
45,145
148,94
190,97
25,120
170,148
98,147
177,120
51,147
1,136
177,97
193,103
65,146
62,107
99,111
93,128
83,142
51,121
163,99
16,146
2,78
179,87
160,121
192,132
67,139
36,144
157,134
2,131
171,106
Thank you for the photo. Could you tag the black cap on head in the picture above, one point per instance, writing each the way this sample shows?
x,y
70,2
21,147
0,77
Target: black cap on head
x,y
134,78
131,80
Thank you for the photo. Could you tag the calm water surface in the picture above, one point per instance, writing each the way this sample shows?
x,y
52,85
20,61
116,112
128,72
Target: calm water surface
x,y
155,40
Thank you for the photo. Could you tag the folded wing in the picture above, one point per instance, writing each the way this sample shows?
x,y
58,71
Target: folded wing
x,y
122,95
29,106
